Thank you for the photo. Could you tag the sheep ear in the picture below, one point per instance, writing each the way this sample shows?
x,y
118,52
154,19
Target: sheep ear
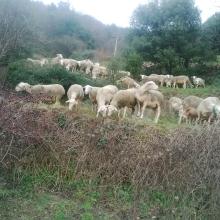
x,y
68,101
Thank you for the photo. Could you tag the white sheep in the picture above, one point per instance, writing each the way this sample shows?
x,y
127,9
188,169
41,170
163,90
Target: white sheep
x,y
151,99
92,92
104,97
176,104
41,62
123,99
181,80
56,60
124,73
53,90
69,64
75,95
99,71
85,66
207,108
198,82
128,82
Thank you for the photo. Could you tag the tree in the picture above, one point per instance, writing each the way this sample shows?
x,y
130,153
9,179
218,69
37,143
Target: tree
x,y
13,27
167,32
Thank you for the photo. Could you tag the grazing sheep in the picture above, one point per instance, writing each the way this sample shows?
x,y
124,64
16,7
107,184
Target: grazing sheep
x,y
207,107
189,102
181,80
175,104
85,66
124,73
190,114
92,92
129,82
54,90
104,97
216,111
151,99
198,82
75,95
99,71
123,99
69,64
158,79
56,60
41,62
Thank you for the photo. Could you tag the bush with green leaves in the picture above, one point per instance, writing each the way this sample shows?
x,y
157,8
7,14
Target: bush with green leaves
x,y
21,71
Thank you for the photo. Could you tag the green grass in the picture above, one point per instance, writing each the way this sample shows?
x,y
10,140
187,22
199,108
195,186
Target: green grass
x,y
34,198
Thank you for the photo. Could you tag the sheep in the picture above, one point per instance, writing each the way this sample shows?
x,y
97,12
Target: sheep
x,y
53,90
198,82
124,73
175,104
92,92
191,114
207,107
41,62
123,99
69,64
158,79
151,99
129,82
75,95
57,60
216,111
181,80
189,102
85,66
99,71
104,97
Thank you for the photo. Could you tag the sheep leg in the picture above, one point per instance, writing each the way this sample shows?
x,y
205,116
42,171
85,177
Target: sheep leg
x,y
184,85
143,109
124,114
157,114
139,109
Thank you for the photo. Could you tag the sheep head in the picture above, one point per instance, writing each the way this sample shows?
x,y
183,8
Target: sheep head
x,y
87,89
111,110
103,110
22,87
72,103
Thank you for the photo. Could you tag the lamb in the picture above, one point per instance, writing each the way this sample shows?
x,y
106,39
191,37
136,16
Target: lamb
x,y
129,82
75,95
53,90
191,114
189,102
104,97
198,82
92,92
181,80
207,108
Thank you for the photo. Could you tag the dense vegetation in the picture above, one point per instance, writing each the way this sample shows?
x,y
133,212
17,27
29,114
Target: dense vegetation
x,y
41,30
56,164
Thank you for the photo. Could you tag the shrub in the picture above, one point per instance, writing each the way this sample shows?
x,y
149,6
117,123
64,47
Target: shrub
x,y
22,71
